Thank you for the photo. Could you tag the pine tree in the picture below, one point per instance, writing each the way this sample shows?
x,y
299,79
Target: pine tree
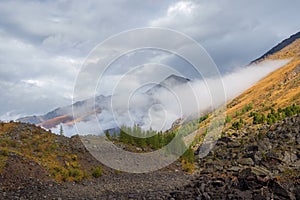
x,y
107,134
61,131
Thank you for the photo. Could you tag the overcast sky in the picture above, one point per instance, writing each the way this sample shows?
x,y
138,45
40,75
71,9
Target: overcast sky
x,y
43,43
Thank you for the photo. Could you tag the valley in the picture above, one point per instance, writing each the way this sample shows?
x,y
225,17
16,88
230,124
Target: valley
x,y
255,156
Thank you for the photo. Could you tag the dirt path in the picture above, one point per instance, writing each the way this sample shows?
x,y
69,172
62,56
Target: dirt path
x,y
155,185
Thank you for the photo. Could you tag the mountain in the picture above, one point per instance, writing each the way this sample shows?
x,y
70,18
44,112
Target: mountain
x,y
279,47
269,100
85,109
64,115
251,160
169,82
279,89
257,154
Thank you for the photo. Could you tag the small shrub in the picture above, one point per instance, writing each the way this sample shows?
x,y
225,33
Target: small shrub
x,y
97,172
4,152
236,125
187,166
228,119
188,155
74,173
74,157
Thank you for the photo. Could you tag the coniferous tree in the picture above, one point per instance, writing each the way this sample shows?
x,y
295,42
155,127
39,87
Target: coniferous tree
x,y
61,131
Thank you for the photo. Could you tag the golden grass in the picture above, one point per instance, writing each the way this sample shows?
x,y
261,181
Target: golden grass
x,y
279,89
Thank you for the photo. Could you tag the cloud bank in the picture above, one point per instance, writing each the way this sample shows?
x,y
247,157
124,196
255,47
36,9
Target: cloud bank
x,y
167,104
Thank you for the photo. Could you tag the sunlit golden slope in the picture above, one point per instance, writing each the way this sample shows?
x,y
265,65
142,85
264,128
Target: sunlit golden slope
x,y
279,89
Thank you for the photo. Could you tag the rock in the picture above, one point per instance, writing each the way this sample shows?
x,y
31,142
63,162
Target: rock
x,y
289,157
218,183
297,192
252,148
225,139
260,171
279,190
264,144
235,169
206,196
245,161
245,194
207,171
233,144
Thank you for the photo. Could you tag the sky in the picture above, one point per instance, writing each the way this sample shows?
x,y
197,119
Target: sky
x,y
44,43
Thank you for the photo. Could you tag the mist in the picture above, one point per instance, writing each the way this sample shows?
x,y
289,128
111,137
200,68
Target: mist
x,y
169,103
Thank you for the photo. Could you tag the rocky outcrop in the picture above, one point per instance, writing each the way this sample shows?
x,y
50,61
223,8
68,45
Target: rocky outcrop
x,y
256,164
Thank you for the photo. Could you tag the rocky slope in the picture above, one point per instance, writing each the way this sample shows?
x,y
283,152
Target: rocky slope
x,y
37,164
251,164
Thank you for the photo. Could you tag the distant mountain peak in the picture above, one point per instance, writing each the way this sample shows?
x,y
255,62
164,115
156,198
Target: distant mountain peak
x,y
173,76
176,78
169,82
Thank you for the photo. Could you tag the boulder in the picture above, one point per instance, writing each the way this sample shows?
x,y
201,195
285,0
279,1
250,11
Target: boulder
x,y
245,161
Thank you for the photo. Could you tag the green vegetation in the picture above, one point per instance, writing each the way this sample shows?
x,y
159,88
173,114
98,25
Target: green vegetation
x,y
40,146
188,155
227,119
258,118
97,172
61,131
3,157
274,116
270,117
238,124
107,134
244,110
137,137
154,140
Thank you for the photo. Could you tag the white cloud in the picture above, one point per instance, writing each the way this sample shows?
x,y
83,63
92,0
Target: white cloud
x,y
164,106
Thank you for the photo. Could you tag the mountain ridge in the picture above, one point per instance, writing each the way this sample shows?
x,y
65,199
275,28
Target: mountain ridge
x,y
279,47
249,162
64,115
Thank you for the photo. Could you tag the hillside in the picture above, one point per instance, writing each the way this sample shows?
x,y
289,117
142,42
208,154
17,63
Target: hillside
x,y
278,90
248,164
55,157
251,164
256,157
38,164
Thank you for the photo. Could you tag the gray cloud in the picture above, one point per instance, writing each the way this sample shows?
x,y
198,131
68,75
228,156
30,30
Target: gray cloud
x,y
233,32
43,43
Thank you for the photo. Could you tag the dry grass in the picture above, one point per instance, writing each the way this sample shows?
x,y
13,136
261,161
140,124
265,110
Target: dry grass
x,y
279,89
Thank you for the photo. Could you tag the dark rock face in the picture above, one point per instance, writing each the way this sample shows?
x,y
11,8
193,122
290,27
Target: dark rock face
x,y
261,164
